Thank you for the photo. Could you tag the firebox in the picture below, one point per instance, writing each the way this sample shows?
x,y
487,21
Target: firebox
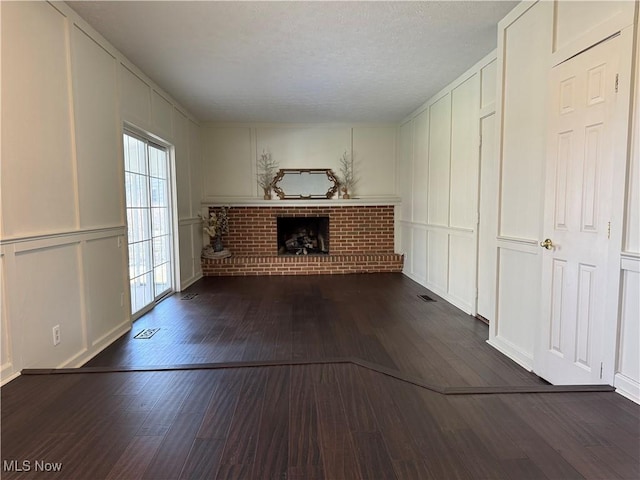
x,y
303,235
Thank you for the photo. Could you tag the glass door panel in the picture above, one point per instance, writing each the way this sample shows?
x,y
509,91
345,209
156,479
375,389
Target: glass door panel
x,y
148,220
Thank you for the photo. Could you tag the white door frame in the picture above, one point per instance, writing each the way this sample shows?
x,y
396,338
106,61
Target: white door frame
x,y
620,139
128,127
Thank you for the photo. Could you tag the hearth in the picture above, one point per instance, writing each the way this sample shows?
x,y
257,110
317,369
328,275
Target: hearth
x,y
303,235
361,238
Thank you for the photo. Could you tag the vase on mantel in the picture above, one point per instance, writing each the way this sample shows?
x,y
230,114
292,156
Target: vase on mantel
x,y
345,193
267,193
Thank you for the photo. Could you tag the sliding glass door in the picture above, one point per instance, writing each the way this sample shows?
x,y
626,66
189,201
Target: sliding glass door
x,y
150,242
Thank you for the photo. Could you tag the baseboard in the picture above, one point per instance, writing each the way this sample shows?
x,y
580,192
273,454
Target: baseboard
x,y
7,374
104,342
511,351
415,278
187,283
627,387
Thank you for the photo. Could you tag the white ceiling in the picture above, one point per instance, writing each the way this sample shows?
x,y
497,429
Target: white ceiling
x,y
299,61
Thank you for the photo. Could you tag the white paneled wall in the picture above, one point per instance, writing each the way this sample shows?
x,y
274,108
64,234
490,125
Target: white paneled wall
x,y
524,48
230,154
95,91
149,112
53,275
38,177
438,161
420,175
374,158
488,208
627,372
161,115
228,162
405,176
135,95
581,24
66,93
6,366
438,181
103,264
627,378
531,39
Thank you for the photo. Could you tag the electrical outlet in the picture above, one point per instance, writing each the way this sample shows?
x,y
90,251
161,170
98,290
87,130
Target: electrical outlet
x,y
56,335
119,242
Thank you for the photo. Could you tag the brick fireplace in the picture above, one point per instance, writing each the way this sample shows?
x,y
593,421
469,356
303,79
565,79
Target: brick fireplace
x,y
361,241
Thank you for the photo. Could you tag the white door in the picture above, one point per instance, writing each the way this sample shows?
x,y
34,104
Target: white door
x,y
578,209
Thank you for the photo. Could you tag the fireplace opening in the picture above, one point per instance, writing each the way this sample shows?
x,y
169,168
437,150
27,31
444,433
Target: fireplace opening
x,y
303,235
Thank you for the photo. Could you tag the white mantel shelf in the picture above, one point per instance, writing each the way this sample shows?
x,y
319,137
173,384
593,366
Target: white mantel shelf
x,y
277,203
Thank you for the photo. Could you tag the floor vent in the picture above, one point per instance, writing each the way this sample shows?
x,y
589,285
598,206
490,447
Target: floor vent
x,y
426,298
146,333
189,296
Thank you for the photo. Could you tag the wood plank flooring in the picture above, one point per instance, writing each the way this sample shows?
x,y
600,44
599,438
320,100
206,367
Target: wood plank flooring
x,y
377,318
332,421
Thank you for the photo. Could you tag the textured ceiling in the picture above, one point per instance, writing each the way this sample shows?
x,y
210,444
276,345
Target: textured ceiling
x,y
299,61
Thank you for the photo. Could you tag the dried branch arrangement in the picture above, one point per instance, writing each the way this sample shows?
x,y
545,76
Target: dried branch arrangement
x,y
347,176
267,169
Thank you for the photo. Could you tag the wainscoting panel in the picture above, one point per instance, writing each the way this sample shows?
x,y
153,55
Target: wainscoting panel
x,y
465,166
419,258
631,242
420,167
439,161
227,162
161,115
438,261
488,78
135,98
374,154
48,292
406,247
462,270
517,303
488,225
183,173
405,171
525,62
107,295
187,254
195,167
5,346
627,377
98,142
37,154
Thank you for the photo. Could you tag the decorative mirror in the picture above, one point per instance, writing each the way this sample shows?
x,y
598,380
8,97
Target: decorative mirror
x,y
307,183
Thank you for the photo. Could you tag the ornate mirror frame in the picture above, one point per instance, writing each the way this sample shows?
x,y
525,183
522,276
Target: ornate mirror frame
x,y
305,183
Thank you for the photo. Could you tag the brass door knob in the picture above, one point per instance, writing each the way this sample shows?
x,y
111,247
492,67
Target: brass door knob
x,y
548,244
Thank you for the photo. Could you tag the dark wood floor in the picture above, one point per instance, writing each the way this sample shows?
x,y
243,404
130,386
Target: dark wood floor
x,y
338,421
